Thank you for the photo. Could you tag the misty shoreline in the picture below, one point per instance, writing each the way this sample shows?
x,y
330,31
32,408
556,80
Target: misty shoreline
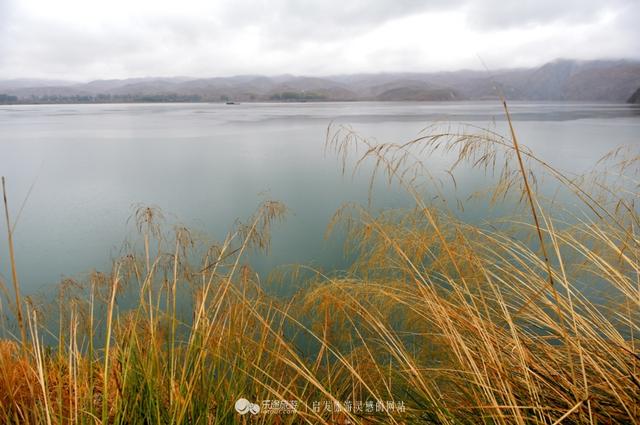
x,y
613,81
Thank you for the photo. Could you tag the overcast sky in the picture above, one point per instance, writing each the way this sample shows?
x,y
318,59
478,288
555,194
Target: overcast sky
x,y
89,39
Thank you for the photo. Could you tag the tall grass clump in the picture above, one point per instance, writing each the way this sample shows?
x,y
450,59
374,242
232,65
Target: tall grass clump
x,y
529,318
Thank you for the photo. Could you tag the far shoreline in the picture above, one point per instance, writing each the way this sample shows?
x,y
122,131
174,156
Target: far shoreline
x,y
281,102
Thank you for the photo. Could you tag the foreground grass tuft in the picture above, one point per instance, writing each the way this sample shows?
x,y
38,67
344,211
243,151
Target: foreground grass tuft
x,y
532,319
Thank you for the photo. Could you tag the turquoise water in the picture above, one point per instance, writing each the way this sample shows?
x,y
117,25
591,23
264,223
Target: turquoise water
x,y
205,165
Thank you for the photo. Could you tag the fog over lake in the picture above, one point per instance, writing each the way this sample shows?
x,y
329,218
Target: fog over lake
x,y
205,165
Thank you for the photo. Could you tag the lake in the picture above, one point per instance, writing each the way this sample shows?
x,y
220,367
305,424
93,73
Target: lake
x,y
205,165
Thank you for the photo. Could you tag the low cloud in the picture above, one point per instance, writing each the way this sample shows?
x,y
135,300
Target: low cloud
x,y
84,39
499,14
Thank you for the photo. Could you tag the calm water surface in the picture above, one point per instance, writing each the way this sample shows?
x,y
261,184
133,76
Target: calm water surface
x,y
205,165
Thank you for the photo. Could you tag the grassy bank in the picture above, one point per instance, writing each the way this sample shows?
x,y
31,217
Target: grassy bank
x,y
437,321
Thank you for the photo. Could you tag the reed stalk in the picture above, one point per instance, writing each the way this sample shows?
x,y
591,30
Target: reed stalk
x,y
14,272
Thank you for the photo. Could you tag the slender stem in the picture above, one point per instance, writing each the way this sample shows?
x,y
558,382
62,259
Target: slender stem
x,y
173,321
14,273
109,325
516,146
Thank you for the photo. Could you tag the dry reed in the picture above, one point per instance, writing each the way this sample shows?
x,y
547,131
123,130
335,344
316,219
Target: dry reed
x,y
453,321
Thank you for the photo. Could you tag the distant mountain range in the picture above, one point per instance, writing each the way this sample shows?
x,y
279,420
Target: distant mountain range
x,y
560,80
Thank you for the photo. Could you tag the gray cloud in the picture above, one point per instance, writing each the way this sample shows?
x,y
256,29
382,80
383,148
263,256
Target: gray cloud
x,y
326,15
5,18
95,39
505,14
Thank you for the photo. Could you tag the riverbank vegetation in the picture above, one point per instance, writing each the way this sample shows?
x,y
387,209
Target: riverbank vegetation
x,y
530,319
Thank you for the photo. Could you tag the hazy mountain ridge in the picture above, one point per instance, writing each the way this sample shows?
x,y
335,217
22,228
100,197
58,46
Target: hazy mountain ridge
x,y
568,80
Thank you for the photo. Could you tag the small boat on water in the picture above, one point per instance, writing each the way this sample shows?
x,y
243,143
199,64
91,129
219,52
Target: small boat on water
x,y
232,103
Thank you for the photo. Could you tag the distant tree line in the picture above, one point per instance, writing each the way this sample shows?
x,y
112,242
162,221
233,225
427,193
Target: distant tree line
x,y
296,96
286,96
101,98
5,99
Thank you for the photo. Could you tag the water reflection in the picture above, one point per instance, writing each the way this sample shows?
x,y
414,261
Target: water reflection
x,y
207,164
